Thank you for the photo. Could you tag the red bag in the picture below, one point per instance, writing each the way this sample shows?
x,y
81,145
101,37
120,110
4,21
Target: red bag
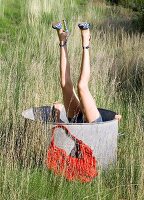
x,y
81,167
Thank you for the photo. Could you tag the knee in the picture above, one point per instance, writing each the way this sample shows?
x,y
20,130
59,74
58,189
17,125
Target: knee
x,y
118,117
58,106
82,87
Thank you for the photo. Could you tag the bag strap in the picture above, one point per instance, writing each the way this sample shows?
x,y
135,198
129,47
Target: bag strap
x,y
66,131
76,140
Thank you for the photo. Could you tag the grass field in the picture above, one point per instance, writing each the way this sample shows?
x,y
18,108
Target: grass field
x,y
29,76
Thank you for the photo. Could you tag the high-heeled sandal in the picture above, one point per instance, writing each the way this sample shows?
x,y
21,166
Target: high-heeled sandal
x,y
84,25
60,25
57,25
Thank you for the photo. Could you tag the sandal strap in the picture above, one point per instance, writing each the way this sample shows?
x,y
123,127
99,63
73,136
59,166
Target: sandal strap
x,y
63,45
57,26
60,25
87,47
84,25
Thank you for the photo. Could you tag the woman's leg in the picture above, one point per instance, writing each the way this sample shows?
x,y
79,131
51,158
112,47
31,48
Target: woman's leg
x,y
88,104
71,101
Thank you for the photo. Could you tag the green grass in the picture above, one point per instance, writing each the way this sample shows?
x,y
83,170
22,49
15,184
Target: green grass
x,y
29,75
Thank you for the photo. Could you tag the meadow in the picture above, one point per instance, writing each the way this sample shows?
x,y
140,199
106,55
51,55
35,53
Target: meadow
x,y
29,76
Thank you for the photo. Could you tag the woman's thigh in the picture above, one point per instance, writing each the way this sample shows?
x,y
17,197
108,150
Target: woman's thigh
x,y
71,102
88,105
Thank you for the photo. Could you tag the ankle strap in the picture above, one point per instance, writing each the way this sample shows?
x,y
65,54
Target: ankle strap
x,y
87,47
62,45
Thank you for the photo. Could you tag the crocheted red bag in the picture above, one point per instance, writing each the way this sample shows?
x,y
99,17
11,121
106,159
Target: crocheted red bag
x,y
81,167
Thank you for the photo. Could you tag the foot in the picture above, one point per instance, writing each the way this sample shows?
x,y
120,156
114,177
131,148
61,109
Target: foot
x,y
62,34
85,34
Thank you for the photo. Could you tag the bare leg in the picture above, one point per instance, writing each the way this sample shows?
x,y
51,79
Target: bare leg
x,y
87,102
71,101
